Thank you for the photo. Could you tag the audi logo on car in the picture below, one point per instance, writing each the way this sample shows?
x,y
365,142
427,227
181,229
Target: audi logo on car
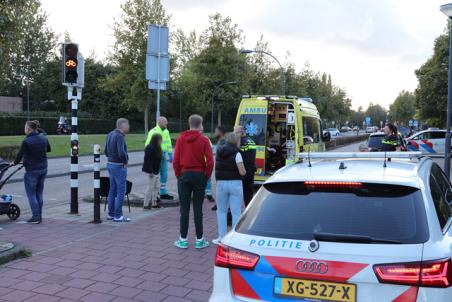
x,y
311,266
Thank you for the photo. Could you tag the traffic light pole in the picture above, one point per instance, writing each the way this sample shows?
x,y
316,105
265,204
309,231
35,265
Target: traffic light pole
x,y
72,92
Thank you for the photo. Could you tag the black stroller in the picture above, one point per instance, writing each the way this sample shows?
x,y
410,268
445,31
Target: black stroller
x,y
6,201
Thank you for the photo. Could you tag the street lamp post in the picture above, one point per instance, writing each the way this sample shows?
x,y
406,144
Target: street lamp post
x,y
283,76
447,10
213,99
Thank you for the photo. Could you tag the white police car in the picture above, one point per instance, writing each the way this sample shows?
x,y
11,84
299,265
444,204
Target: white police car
x,y
351,228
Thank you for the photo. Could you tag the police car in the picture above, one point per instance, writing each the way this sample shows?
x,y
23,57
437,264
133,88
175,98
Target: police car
x,y
431,141
350,227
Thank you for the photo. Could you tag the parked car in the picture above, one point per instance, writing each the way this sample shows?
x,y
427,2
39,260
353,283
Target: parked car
x,y
371,129
341,229
346,129
356,128
431,141
375,143
333,131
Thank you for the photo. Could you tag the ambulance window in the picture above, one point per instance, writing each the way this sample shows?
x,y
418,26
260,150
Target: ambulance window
x,y
255,126
311,130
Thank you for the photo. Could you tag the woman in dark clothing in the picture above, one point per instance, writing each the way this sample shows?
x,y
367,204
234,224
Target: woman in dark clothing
x,y
151,166
391,139
33,151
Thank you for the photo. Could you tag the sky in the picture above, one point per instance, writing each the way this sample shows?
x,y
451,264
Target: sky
x,y
371,48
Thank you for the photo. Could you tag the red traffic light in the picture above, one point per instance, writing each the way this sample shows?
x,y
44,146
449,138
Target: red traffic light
x,y
71,50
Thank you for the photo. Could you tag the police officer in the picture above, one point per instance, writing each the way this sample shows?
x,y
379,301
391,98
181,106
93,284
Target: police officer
x,y
391,139
248,151
167,153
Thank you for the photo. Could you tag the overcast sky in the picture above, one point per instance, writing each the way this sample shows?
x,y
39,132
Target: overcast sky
x,y
370,47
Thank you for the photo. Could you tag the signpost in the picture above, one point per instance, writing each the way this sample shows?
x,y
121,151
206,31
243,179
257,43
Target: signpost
x,y
368,120
157,60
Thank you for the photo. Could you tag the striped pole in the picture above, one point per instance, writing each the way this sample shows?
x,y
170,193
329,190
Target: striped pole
x,y
96,168
74,151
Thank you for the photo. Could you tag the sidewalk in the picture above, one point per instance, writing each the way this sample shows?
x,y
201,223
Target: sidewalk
x,y
75,261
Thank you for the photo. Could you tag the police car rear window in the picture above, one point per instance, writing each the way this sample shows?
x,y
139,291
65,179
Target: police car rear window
x,y
295,211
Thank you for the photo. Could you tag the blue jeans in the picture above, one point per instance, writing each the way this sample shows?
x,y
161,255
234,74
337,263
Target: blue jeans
x,y
118,184
209,187
34,187
164,174
229,194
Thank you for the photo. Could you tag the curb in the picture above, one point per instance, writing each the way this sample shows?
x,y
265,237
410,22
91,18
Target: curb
x,y
12,254
69,173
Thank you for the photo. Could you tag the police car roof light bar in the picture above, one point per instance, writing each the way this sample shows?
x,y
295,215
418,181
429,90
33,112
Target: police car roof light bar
x,y
360,155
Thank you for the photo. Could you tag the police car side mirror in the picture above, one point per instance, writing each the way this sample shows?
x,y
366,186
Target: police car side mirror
x,y
326,136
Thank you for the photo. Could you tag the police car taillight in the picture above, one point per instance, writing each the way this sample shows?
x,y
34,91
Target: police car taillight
x,y
332,184
437,273
233,258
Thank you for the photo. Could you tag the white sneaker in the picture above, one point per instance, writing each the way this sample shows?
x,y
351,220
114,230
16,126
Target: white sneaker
x,y
217,241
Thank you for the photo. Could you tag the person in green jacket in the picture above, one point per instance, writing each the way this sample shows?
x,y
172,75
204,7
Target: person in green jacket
x,y
167,153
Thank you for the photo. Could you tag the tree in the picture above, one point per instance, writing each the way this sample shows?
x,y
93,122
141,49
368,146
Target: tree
x,y
129,53
218,61
377,113
431,93
403,108
26,43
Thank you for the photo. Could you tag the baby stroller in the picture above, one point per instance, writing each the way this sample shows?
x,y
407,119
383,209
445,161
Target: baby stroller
x,y
6,201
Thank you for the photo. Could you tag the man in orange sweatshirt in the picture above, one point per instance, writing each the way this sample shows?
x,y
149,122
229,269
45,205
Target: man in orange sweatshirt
x,y
193,164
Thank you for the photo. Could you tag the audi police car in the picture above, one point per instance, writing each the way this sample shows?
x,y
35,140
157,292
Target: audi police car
x,y
350,227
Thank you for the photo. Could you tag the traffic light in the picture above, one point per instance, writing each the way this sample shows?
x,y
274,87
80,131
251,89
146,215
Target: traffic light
x,y
74,147
70,63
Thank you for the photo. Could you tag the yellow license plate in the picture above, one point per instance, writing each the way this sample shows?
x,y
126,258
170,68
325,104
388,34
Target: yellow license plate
x,y
324,291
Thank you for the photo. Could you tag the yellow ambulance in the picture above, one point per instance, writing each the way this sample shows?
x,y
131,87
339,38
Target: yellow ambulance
x,y
281,127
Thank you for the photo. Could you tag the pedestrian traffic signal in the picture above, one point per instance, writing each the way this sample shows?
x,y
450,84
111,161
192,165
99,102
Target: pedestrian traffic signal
x,y
70,63
74,147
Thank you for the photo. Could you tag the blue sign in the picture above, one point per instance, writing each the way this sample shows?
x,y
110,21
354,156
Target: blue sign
x,y
415,124
157,57
368,120
410,123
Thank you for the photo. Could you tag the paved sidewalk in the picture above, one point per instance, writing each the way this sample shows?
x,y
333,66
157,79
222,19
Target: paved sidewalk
x,y
74,261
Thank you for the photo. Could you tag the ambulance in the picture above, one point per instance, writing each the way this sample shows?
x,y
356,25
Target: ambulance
x,y
281,127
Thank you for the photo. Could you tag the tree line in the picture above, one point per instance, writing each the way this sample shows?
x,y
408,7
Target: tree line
x,y
200,61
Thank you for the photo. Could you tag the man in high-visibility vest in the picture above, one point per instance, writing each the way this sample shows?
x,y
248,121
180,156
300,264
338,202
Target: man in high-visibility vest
x,y
167,150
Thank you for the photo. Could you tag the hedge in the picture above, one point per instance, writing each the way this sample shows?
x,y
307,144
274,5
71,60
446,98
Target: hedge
x,y
9,152
15,125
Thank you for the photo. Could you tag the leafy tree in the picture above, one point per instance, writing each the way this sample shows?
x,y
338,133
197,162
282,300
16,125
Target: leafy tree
x,y
377,113
431,93
129,52
403,108
27,45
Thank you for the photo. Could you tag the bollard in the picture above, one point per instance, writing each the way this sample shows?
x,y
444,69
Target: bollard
x,y
96,200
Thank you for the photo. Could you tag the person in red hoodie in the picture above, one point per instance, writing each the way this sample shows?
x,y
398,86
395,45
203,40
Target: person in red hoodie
x,y
193,165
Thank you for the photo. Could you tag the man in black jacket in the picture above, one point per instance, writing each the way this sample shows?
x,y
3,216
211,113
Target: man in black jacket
x,y
248,151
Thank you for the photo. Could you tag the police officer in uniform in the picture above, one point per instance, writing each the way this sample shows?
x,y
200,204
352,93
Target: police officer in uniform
x,y
248,151
391,140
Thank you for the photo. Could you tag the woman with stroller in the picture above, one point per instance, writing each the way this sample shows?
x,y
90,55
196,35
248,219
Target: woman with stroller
x,y
33,153
229,170
151,166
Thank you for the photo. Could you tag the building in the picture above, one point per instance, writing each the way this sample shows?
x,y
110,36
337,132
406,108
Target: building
x,y
10,104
